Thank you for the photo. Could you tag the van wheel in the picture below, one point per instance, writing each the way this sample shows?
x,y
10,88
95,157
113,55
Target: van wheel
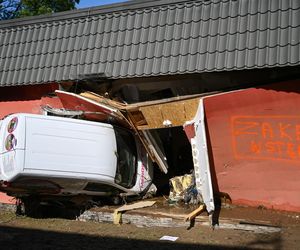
x,y
116,200
32,207
20,209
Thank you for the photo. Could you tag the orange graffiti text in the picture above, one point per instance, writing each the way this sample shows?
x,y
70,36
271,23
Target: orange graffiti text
x,y
272,137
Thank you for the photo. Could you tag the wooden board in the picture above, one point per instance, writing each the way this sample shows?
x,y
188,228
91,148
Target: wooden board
x,y
168,114
117,213
140,204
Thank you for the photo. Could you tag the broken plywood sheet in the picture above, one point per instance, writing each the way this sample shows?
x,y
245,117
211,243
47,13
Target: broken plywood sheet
x,y
167,114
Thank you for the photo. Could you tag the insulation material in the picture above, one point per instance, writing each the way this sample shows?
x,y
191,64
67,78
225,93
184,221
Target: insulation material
x,y
183,188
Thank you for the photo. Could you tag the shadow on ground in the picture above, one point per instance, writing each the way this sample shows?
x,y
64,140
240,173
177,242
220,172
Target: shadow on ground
x,y
20,238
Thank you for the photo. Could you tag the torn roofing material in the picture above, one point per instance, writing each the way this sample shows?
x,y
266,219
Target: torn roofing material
x,y
150,38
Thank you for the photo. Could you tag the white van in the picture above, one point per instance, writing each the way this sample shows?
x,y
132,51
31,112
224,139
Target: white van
x,y
48,156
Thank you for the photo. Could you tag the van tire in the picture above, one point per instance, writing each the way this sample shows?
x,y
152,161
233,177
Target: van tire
x,y
116,200
32,207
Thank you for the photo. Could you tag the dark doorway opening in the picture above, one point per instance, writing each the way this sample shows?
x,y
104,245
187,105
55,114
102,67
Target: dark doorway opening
x,y
179,157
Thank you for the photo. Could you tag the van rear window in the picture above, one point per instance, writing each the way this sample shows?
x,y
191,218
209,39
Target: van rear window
x,y
127,158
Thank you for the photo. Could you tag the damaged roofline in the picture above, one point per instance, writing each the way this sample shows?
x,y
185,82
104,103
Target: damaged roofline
x,y
87,12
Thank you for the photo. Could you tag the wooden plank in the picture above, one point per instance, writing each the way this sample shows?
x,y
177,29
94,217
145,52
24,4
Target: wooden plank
x,y
192,215
136,205
117,213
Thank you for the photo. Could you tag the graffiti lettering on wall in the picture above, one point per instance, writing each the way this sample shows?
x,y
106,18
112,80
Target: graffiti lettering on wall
x,y
266,137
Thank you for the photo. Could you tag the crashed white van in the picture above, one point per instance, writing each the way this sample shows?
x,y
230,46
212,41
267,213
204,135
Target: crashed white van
x,y
48,157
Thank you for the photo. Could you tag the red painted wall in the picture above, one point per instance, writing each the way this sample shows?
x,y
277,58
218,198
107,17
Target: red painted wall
x,y
255,145
27,99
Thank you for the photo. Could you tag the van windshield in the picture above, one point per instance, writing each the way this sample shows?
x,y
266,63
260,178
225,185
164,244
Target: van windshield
x,y
127,158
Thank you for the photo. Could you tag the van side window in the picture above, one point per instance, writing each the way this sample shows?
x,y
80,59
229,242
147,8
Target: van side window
x,y
127,158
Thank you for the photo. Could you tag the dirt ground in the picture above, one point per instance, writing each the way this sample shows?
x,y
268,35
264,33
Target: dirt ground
x,y
28,233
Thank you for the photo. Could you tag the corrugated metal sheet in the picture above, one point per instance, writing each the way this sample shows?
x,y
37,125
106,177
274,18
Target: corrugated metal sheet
x,y
150,40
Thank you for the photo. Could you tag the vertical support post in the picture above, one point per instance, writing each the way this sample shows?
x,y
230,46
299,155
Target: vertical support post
x,y
196,132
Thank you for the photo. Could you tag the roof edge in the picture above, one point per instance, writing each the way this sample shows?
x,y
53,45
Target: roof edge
x,y
85,12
